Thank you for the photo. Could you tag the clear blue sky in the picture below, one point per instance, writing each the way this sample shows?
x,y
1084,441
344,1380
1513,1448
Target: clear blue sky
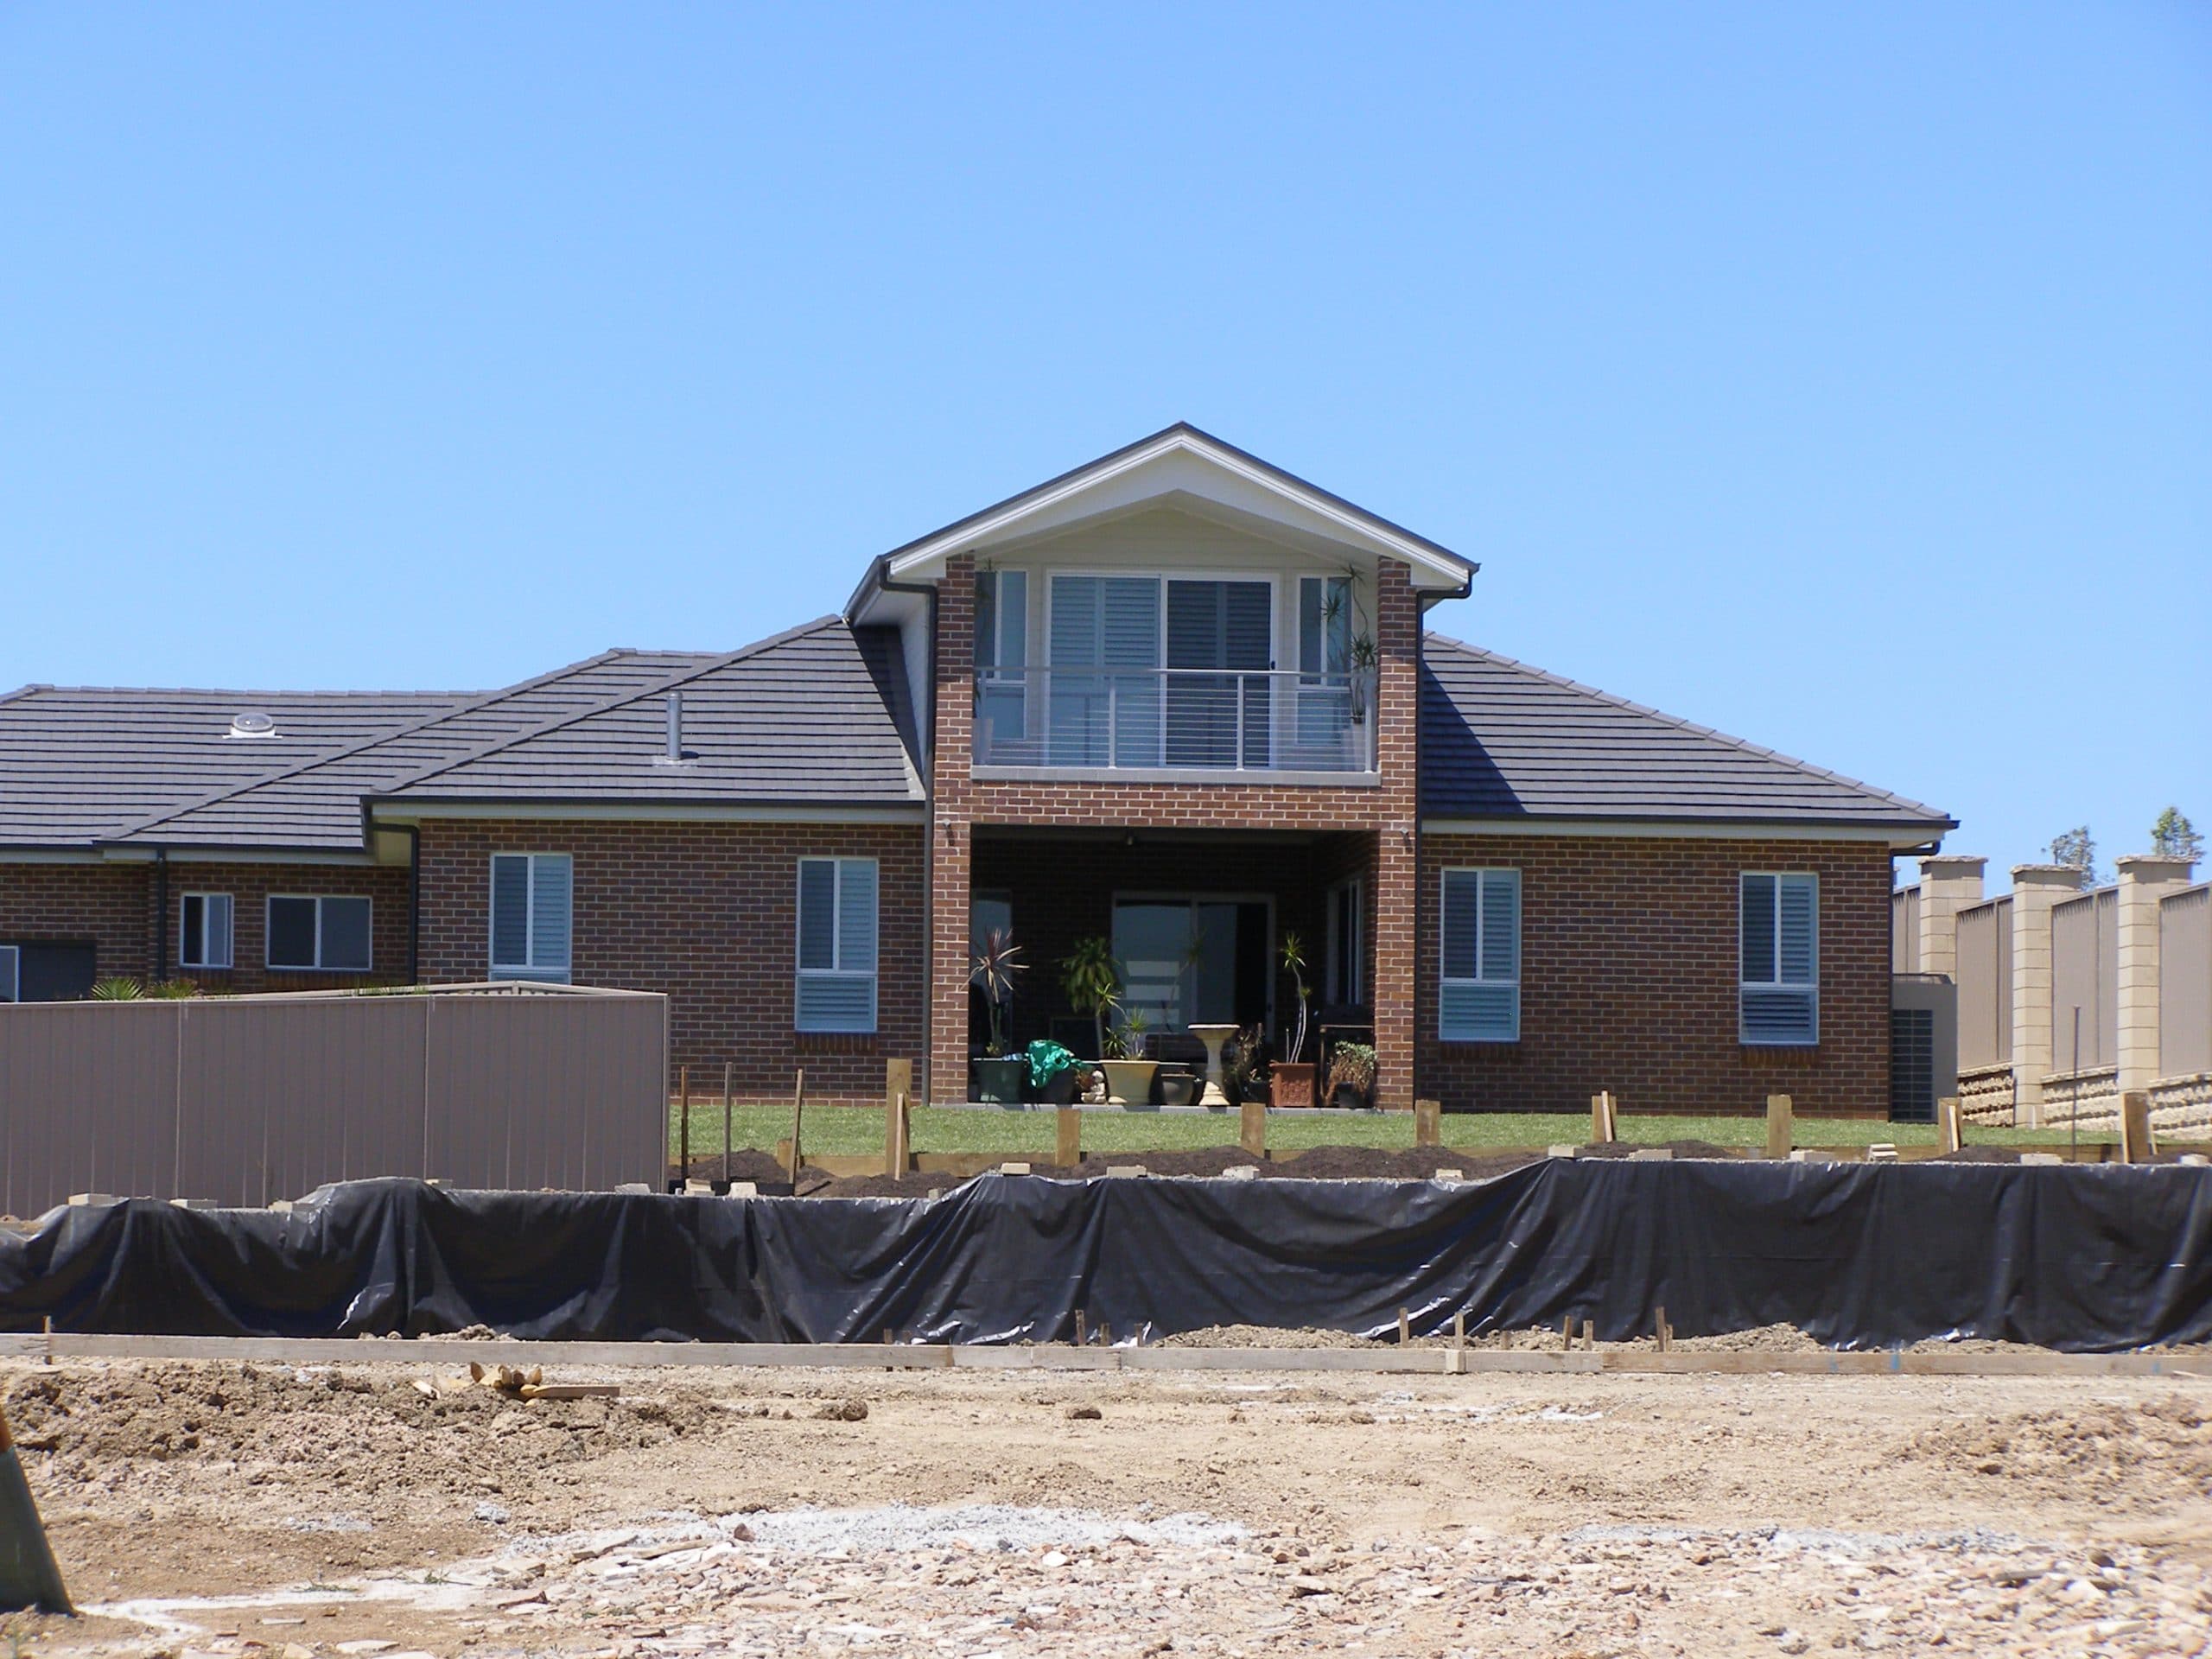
x,y
1839,377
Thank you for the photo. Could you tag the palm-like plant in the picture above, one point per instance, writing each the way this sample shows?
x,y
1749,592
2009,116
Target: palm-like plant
x,y
115,987
991,970
1093,981
1294,962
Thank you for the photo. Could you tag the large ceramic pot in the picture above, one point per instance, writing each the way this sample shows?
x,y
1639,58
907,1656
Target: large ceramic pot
x,y
1128,1082
998,1083
1294,1083
1062,1089
1177,1087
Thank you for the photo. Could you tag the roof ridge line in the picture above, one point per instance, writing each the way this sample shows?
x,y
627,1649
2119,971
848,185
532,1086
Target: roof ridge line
x,y
482,700
1680,723
666,683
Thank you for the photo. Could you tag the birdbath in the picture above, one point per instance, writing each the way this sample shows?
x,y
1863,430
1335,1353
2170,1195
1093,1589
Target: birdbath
x,y
1213,1037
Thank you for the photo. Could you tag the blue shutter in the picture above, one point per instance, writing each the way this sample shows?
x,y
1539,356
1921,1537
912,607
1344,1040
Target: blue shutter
x,y
856,915
218,930
1780,991
1795,929
817,913
1462,926
552,910
1501,949
837,945
1757,927
1479,1000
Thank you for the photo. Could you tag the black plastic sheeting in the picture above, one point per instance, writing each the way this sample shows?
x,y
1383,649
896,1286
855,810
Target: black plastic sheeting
x,y
2092,1258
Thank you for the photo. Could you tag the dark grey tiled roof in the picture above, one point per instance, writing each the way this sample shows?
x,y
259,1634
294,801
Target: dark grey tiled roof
x,y
817,716
318,804
81,762
1501,739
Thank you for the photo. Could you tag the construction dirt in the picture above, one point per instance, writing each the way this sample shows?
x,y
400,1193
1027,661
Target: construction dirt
x,y
385,1509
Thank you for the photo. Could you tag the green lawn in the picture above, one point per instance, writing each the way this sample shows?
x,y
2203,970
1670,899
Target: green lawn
x,y
833,1129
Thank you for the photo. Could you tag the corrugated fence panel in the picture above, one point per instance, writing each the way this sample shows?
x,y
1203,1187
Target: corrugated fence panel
x,y
1985,993
1904,930
2085,974
246,1100
2185,983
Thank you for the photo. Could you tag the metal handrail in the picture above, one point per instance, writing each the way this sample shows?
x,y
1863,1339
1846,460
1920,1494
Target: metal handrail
x,y
1198,719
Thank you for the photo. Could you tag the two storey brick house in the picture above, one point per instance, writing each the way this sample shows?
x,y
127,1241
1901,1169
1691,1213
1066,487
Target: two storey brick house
x,y
1177,699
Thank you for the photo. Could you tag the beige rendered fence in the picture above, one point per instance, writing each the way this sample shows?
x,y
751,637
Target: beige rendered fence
x,y
248,1099
2185,983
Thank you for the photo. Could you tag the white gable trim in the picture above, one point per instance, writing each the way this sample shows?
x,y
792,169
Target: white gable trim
x,y
1046,508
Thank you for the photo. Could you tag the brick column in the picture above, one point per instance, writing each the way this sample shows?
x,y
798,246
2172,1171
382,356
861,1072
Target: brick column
x,y
1397,721
950,791
1948,886
2144,881
2036,888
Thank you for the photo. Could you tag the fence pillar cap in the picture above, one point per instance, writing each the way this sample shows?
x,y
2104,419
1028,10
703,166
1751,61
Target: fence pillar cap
x,y
2069,877
1944,866
2151,867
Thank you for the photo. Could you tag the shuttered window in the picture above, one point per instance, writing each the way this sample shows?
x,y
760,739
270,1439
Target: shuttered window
x,y
533,915
10,973
1479,994
204,935
324,935
837,944
1780,950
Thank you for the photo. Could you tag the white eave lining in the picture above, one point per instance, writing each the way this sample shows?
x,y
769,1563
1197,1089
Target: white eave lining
x,y
1367,530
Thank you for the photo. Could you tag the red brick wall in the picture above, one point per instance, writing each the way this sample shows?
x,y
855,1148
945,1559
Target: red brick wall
x,y
250,887
106,903
1629,978
708,913
959,801
113,905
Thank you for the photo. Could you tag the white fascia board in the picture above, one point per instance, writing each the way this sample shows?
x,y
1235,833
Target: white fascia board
x,y
1683,829
387,814
48,856
1053,508
139,853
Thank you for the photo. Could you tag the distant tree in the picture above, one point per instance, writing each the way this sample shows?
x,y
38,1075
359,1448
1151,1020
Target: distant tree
x,y
2175,836
2078,847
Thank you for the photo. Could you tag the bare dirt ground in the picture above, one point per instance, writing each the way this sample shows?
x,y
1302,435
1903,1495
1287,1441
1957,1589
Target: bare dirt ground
x,y
214,1508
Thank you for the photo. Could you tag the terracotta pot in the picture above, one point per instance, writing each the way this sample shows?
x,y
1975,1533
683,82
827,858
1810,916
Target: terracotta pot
x,y
1294,1083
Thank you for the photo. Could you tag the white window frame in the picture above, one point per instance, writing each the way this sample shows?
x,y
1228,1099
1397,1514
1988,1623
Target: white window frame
x,y
524,970
11,973
192,953
1331,989
1445,981
1811,988
837,971
318,900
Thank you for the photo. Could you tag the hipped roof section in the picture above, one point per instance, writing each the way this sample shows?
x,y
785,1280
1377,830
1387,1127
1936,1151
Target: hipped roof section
x,y
1501,740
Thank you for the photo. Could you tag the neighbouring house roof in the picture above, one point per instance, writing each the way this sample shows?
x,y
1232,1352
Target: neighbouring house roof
x,y
1502,741
315,804
814,718
80,764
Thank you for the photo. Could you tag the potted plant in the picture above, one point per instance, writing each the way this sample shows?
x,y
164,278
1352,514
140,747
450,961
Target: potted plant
x,y
1351,1075
1362,664
1093,983
991,969
1054,1077
1128,1074
1244,1068
1290,1081
1177,1086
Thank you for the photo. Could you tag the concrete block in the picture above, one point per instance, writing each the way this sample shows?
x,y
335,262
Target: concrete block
x,y
2050,1158
1013,1169
1125,1172
1650,1155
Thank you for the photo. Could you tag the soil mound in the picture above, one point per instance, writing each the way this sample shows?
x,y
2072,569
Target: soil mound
x,y
2158,1452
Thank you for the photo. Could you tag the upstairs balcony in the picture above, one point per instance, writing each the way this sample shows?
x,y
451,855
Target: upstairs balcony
x,y
1171,724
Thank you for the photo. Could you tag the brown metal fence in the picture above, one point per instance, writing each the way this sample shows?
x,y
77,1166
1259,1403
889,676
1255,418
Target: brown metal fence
x,y
251,1098
1904,930
2185,983
1984,975
2085,974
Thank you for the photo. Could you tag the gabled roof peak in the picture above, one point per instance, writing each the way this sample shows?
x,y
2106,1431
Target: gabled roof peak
x,y
1178,460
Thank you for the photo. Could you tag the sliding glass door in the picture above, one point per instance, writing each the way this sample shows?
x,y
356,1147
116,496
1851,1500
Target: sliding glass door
x,y
1151,671
1193,961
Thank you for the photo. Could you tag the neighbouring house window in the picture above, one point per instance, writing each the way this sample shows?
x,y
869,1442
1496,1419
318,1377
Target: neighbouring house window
x,y
204,940
533,909
1781,987
1341,983
10,973
837,944
1480,996
327,935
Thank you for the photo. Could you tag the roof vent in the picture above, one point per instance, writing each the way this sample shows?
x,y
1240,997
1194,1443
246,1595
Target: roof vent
x,y
252,724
